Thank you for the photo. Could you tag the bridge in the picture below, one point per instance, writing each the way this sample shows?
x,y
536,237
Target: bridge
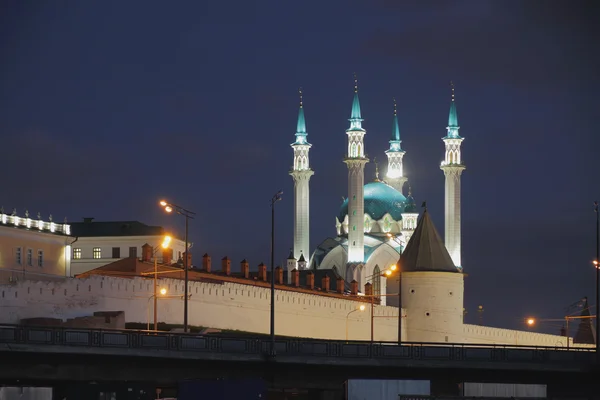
x,y
48,354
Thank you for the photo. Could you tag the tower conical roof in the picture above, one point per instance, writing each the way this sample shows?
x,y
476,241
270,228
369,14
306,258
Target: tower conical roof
x,y
425,250
301,125
453,116
355,107
396,129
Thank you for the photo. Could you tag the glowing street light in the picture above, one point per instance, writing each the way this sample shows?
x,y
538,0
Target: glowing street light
x,y
163,291
360,308
169,208
530,321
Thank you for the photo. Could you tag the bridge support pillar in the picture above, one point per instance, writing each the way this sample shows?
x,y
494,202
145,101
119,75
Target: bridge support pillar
x,y
445,387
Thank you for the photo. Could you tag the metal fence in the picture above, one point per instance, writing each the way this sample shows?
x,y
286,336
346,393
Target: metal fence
x,y
181,342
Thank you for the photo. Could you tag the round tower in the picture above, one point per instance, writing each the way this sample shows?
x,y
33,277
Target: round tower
x,y
432,288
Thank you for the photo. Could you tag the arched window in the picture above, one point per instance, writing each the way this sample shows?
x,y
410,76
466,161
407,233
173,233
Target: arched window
x,y
359,151
353,150
376,281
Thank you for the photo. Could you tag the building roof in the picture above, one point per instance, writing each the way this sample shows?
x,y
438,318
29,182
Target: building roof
x,y
425,250
89,228
380,198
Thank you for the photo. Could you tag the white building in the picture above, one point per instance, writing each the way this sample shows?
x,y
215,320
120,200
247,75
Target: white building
x,y
31,248
103,242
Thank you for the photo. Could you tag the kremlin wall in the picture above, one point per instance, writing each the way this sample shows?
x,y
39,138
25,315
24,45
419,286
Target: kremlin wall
x,y
232,302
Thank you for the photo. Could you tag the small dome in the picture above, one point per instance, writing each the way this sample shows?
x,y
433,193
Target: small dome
x,y
380,199
411,206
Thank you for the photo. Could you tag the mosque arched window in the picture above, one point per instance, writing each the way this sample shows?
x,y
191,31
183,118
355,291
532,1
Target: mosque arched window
x,y
376,281
353,150
359,150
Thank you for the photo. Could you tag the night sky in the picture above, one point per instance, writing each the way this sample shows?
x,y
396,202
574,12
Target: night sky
x,y
108,106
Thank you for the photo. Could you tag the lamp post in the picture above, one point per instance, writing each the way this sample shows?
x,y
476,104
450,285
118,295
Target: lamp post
x,y
533,321
169,207
361,308
164,245
597,265
274,200
399,264
163,291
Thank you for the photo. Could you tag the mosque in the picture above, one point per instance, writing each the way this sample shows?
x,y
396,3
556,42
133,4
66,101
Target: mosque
x,y
376,220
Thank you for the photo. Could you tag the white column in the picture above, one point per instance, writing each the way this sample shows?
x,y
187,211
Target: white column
x,y
301,212
453,169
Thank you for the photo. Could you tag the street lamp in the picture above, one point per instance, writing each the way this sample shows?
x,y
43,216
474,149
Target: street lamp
x,y
399,265
361,308
163,291
169,208
276,197
597,265
533,321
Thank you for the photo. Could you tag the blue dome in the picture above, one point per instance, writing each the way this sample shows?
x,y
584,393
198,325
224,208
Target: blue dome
x,y
380,199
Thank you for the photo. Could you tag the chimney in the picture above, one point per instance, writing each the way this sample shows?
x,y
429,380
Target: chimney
x,y
167,256
339,285
368,289
188,254
354,288
262,272
325,283
279,275
226,265
245,268
146,252
310,280
206,262
295,277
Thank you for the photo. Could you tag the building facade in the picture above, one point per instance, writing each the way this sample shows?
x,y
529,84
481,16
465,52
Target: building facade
x,y
103,242
32,248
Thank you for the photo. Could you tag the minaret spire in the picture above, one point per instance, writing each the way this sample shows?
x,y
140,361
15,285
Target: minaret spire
x,y
395,174
355,116
356,160
453,168
301,174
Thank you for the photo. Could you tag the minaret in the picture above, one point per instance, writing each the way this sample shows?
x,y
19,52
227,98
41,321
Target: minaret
x,y
301,174
395,174
453,168
356,160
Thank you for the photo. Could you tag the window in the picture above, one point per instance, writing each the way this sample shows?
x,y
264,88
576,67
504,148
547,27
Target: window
x,y
40,258
97,252
30,257
19,256
77,253
116,252
133,252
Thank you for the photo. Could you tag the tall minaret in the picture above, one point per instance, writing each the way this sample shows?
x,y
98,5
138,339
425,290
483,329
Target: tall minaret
x,y
356,160
395,175
301,174
453,168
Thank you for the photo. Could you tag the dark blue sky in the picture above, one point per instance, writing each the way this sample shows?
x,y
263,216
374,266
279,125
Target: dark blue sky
x,y
108,106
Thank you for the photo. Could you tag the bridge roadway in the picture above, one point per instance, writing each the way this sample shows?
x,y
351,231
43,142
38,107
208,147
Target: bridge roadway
x,y
47,354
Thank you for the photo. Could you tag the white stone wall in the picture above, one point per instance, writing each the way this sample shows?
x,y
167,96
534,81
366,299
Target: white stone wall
x,y
488,335
106,244
434,306
224,306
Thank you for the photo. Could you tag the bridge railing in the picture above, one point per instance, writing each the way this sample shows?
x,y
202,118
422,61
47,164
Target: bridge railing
x,y
135,339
